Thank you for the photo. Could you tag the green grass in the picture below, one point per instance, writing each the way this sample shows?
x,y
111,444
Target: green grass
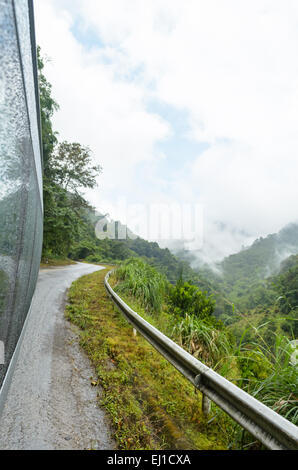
x,y
53,262
151,405
148,410
259,363
210,345
143,282
267,374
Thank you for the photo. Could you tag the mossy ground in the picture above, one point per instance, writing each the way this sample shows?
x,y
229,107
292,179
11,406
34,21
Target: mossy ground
x,y
152,406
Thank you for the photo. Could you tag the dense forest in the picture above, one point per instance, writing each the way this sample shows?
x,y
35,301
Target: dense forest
x,y
261,282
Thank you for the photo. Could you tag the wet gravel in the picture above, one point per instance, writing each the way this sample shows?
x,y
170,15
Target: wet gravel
x,y
52,404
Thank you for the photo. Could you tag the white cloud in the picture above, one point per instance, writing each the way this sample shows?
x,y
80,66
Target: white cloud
x,y
233,66
96,108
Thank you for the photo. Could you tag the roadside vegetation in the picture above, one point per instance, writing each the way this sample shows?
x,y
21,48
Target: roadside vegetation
x,y
261,367
151,405
143,282
153,411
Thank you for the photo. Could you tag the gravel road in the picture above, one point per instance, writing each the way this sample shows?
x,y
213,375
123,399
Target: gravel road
x,y
51,403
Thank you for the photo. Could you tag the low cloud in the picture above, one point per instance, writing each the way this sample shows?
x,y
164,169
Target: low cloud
x,y
231,67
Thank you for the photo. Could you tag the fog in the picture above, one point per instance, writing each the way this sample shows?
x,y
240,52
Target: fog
x,y
182,103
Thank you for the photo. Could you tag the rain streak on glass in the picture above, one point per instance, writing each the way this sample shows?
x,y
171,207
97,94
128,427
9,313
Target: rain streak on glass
x,y
20,173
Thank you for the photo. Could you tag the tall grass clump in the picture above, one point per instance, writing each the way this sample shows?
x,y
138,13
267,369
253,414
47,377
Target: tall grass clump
x,y
279,389
144,282
203,340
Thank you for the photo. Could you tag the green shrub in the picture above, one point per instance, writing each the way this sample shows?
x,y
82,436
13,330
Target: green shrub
x,y
82,250
253,364
94,258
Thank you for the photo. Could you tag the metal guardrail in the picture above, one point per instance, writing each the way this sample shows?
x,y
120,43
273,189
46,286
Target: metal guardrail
x,y
267,426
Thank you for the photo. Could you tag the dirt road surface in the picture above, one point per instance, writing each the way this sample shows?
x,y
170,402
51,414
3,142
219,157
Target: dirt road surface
x,y
51,404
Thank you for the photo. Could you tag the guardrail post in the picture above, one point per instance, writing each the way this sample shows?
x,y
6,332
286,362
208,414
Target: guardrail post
x,y
134,332
206,405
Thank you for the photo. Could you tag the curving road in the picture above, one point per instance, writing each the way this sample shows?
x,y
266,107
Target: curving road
x,y
51,403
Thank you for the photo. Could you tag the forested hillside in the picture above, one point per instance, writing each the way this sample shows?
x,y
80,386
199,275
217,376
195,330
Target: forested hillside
x,y
68,169
252,265
261,282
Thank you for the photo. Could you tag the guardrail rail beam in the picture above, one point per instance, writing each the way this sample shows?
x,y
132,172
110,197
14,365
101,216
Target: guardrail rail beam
x,y
271,429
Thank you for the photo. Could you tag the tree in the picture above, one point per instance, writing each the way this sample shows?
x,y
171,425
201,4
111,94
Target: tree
x,y
72,167
47,108
67,169
61,222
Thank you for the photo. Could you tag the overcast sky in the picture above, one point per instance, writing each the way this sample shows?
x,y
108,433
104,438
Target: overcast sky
x,y
182,101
